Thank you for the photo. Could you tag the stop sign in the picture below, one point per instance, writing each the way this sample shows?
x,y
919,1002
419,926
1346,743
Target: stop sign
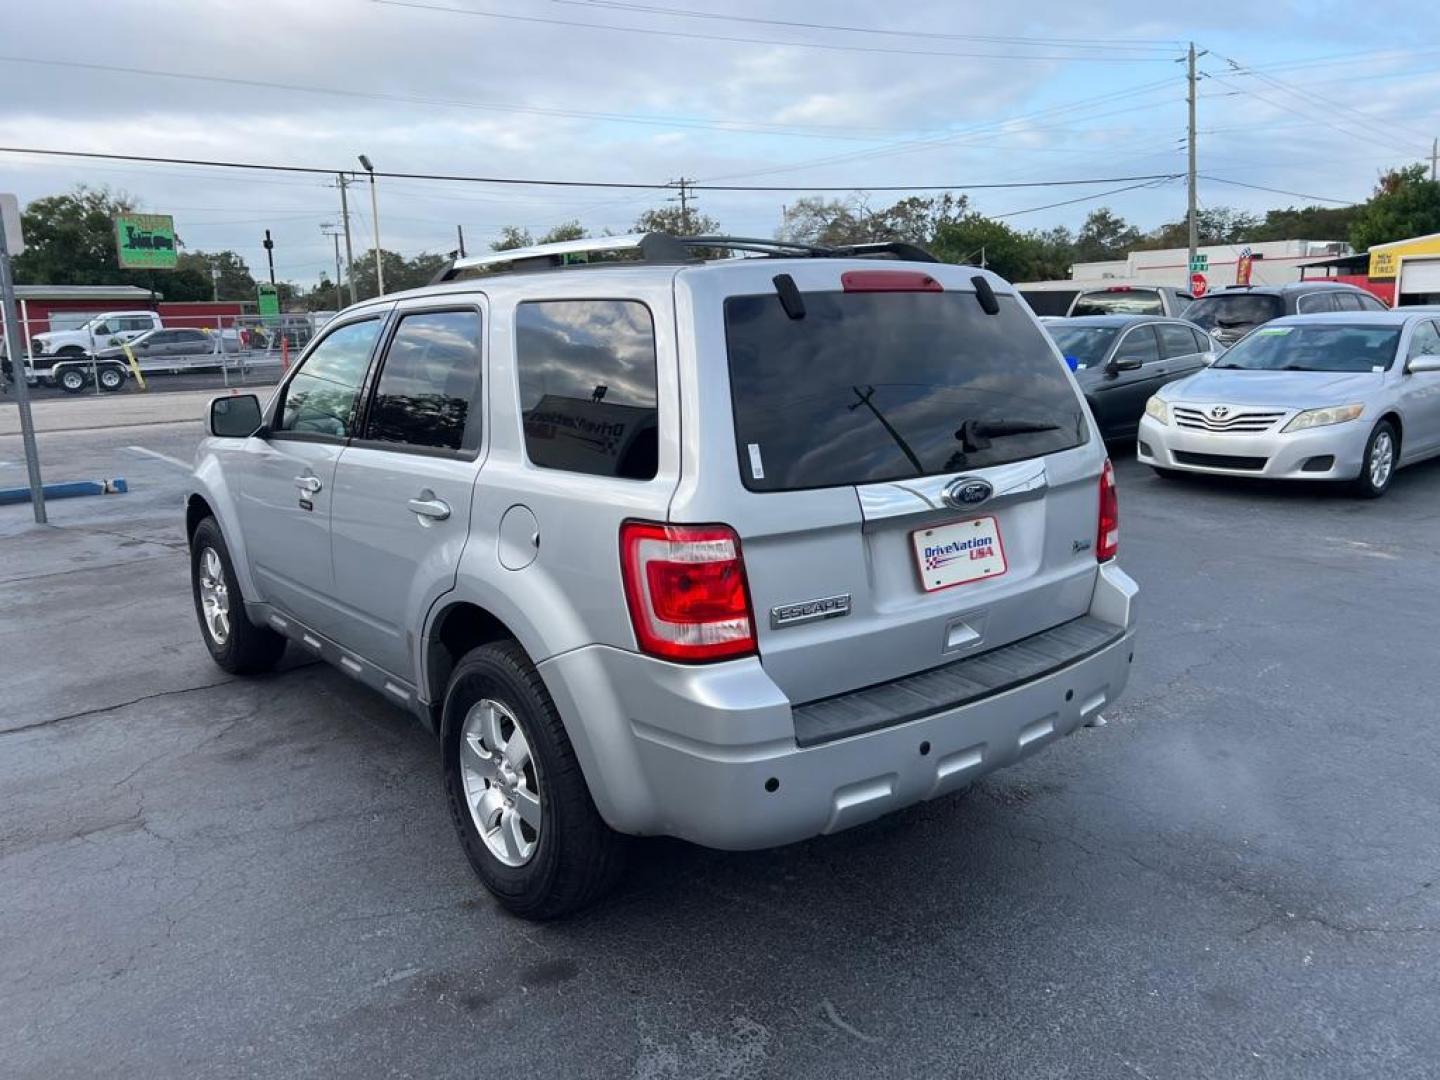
x,y
1198,285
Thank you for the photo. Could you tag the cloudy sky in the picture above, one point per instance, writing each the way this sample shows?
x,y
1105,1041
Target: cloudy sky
x,y
1314,97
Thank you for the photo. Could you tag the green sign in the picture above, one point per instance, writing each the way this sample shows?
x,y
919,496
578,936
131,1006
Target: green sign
x,y
145,241
1200,263
268,299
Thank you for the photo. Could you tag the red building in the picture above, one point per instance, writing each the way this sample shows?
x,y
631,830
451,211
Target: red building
x,y
60,307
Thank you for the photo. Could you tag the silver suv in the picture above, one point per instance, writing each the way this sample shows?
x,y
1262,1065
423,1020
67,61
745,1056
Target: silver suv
x,y
737,550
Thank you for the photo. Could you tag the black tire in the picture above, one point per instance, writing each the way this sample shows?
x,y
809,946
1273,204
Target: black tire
x,y
72,380
1167,474
247,649
577,858
111,378
1365,486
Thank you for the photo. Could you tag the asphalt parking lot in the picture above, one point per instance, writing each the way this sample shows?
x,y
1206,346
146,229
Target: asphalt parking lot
x,y
1238,876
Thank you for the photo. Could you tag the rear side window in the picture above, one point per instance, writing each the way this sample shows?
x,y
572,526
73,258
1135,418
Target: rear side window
x,y
1315,302
587,386
1119,302
320,399
428,382
1176,340
1370,303
869,387
1230,311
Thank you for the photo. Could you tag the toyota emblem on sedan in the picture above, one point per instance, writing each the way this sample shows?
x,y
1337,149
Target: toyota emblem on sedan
x,y
967,491
1219,412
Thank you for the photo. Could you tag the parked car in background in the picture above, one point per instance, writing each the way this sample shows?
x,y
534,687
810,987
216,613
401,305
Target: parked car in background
x,y
1131,300
1231,313
740,551
168,342
100,332
1341,396
1120,360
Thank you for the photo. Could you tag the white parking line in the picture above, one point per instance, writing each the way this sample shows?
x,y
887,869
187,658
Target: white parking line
x,y
163,457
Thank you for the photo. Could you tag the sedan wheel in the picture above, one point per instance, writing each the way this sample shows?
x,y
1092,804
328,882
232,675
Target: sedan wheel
x,y
1377,469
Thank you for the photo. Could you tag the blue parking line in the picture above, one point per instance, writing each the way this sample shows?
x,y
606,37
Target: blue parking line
x,y
68,490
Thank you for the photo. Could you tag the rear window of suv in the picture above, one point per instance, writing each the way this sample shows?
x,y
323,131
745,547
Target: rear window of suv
x,y
870,387
1230,311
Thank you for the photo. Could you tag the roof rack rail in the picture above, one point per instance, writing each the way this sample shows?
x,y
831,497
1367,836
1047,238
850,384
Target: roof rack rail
x,y
663,248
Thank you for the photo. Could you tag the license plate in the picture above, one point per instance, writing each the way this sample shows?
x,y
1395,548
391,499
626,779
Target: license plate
x,y
958,553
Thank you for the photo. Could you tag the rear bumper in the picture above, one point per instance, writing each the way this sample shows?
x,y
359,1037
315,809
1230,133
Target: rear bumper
x,y
710,753
1270,455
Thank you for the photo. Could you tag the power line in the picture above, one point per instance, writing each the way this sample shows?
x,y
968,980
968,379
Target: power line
x,y
416,5
742,127
314,170
1151,44
1085,198
1278,191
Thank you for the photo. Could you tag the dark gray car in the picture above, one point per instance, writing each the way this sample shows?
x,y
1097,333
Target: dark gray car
x,y
1231,313
1120,360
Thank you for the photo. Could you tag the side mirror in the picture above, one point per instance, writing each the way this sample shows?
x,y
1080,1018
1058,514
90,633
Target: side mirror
x,y
1424,362
1123,363
235,417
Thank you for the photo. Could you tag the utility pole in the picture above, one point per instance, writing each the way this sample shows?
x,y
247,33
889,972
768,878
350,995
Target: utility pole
x,y
683,199
270,255
1434,158
345,220
1194,225
329,230
460,235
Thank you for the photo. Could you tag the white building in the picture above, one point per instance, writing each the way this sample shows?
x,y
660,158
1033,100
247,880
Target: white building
x,y
1275,262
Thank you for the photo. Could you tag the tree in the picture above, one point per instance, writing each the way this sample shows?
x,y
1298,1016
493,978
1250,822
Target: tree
x,y
1405,204
1105,235
676,222
400,273
824,222
70,240
512,237
1306,223
1005,251
1213,225
567,230
235,280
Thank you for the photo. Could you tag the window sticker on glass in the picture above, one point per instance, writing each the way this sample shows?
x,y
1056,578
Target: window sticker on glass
x,y
757,466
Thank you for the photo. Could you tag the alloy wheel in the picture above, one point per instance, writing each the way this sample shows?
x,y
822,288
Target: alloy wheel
x,y
502,785
1382,460
214,596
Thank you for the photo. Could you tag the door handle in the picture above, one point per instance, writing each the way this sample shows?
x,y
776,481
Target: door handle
x,y
308,484
432,508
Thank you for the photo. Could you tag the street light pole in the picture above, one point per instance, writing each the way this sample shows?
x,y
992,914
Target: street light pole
x,y
375,220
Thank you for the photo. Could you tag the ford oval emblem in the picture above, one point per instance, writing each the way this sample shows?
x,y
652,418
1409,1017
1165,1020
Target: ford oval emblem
x,y
967,491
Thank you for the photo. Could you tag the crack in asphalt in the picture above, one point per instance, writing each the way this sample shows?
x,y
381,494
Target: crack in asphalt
x,y
84,713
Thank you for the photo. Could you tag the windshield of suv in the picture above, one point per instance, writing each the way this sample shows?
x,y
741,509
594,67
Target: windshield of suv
x,y
887,386
1119,302
1231,311
1324,347
1086,344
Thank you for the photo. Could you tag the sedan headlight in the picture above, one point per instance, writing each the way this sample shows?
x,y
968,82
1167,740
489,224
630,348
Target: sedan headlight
x,y
1334,414
1156,408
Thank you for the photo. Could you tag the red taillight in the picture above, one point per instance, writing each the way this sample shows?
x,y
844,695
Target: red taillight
x,y
1119,288
1107,537
685,586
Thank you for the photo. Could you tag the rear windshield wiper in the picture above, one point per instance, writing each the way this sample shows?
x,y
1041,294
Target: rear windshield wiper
x,y
976,434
